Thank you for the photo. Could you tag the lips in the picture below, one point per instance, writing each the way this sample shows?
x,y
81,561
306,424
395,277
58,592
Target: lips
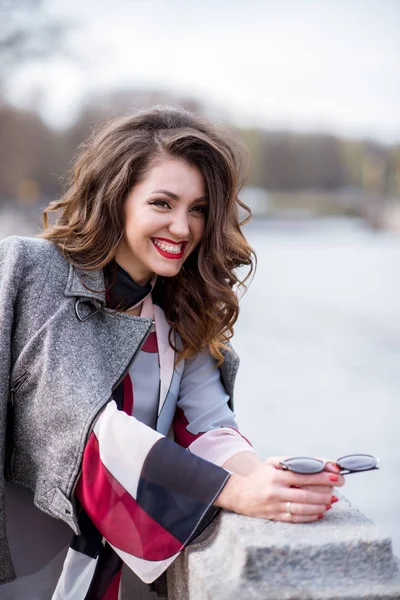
x,y
169,249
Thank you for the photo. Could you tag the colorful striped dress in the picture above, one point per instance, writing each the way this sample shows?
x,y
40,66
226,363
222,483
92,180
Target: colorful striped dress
x,y
141,497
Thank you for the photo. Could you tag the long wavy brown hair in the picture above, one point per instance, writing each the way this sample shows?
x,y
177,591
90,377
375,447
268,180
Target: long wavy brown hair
x,y
201,303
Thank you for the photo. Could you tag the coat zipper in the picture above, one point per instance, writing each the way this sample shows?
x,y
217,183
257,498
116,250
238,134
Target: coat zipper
x,y
132,360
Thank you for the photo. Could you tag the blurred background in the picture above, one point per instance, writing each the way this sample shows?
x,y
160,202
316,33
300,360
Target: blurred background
x,y
314,89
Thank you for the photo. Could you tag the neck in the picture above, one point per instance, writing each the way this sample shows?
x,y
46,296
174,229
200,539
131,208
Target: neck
x,y
123,292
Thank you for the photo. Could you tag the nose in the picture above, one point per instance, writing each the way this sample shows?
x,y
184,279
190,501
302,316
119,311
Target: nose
x,y
179,225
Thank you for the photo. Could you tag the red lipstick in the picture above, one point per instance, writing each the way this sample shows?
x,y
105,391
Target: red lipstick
x,y
171,255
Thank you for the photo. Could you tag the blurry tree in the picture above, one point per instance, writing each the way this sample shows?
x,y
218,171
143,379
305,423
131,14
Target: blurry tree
x,y
26,33
254,139
352,152
29,155
395,171
101,106
34,158
292,161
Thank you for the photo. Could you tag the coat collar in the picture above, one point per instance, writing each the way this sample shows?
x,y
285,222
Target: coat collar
x,y
90,284
86,284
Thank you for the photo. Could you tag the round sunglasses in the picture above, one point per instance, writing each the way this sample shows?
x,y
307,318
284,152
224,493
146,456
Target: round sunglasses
x,y
352,463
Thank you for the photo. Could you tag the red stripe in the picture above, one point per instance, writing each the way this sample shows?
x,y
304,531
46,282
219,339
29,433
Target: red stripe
x,y
117,515
183,437
128,394
113,588
150,344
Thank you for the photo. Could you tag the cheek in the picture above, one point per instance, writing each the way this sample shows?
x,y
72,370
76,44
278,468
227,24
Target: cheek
x,y
138,225
199,229
130,219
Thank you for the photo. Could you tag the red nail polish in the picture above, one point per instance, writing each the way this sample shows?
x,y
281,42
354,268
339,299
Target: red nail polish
x,y
334,499
333,478
320,516
329,506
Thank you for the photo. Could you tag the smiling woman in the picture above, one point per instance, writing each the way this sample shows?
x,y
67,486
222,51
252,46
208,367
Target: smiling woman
x,y
165,218
121,378
163,177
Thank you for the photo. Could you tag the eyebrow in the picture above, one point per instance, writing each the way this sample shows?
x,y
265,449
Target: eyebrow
x,y
176,197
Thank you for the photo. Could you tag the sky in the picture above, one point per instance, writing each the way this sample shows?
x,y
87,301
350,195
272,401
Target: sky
x,y
306,65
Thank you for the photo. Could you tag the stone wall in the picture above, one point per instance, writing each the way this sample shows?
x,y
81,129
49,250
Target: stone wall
x,y
343,556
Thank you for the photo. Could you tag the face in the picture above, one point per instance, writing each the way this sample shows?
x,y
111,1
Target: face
x,y
165,217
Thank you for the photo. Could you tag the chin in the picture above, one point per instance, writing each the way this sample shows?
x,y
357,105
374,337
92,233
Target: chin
x,y
168,271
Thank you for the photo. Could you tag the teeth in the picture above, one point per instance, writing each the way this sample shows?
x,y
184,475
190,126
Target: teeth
x,y
172,249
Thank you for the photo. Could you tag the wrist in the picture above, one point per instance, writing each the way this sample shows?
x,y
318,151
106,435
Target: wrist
x,y
243,463
229,497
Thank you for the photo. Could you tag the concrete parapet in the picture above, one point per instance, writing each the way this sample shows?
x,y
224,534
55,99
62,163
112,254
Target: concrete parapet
x,y
343,556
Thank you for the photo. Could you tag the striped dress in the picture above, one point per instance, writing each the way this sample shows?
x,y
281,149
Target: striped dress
x,y
141,497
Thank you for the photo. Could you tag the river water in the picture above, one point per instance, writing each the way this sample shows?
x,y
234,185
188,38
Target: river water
x,y
319,340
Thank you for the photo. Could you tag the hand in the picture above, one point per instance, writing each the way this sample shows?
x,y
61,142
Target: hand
x,y
267,490
330,467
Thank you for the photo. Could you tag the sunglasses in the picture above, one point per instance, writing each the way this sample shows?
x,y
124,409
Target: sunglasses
x,y
352,463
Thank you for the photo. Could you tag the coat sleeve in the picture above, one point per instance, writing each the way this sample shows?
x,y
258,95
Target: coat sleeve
x,y
204,423
146,495
11,263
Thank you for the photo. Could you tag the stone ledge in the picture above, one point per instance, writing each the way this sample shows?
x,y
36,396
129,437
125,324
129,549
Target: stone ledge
x,y
343,556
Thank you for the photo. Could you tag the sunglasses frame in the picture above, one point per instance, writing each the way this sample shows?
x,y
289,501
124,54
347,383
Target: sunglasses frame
x,y
343,471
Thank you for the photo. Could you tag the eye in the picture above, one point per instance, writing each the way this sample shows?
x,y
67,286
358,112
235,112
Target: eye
x,y
160,203
200,209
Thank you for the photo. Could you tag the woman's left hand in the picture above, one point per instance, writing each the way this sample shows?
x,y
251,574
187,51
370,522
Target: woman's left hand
x,y
330,467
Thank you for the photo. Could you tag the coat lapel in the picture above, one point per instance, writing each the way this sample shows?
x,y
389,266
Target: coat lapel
x,y
90,285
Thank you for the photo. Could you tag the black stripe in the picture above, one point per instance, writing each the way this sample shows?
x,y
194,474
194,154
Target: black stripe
x,y
177,488
108,565
118,395
90,540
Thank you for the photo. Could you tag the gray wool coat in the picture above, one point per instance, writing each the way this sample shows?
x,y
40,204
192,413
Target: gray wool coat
x,y
62,352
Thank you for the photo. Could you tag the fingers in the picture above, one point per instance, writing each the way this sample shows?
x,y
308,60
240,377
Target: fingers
x,y
330,476
305,496
307,510
318,489
302,513
323,478
331,466
287,518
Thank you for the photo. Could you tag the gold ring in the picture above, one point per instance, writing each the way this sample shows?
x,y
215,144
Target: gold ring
x,y
289,509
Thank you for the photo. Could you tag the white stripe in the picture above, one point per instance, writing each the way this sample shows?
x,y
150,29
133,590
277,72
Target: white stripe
x,y
124,443
76,576
166,354
219,445
146,570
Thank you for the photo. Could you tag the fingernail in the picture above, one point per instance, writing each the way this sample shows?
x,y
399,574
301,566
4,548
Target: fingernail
x,y
320,516
333,478
329,506
337,469
334,499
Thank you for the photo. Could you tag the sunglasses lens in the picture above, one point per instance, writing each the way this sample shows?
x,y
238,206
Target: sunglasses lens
x,y
357,462
305,465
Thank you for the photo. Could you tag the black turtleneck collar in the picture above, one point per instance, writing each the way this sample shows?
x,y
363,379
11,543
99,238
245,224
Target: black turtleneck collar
x,y
121,291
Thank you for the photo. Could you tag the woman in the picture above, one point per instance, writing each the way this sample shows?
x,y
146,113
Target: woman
x,y
115,330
